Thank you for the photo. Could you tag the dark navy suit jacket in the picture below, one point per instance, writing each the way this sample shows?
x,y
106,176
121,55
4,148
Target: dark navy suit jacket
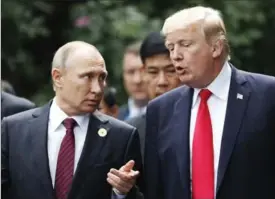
x,y
247,157
25,167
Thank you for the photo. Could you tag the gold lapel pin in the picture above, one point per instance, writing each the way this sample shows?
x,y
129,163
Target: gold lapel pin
x,y
102,132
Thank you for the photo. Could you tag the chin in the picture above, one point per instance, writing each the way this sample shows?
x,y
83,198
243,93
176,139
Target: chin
x,y
89,109
141,97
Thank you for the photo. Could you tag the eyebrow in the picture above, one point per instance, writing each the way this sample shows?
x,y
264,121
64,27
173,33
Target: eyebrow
x,y
179,41
94,71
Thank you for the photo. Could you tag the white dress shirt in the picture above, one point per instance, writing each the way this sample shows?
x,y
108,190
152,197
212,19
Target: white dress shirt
x,y
217,104
56,133
134,110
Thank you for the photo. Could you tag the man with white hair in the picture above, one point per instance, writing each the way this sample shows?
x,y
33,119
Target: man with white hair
x,y
213,137
67,149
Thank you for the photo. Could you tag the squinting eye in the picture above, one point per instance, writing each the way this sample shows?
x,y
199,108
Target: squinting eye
x,y
102,78
152,72
184,44
87,76
170,48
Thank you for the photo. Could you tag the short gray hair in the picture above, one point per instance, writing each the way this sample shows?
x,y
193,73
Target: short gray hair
x,y
63,53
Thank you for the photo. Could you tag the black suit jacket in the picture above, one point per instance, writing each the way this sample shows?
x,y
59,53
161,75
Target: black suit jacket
x,y
246,166
139,122
11,104
25,166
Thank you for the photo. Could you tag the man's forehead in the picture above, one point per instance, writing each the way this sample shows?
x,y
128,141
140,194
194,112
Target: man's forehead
x,y
87,58
181,33
93,69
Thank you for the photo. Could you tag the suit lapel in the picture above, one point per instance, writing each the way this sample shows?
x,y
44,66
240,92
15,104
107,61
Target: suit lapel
x,y
181,129
38,128
237,103
92,146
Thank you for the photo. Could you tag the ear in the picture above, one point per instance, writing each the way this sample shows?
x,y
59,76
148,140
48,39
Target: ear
x,y
217,48
57,78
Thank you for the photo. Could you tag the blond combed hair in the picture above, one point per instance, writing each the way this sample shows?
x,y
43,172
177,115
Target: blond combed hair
x,y
209,19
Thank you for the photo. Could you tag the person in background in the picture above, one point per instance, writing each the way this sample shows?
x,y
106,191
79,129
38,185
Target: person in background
x,y
159,76
133,84
11,104
108,104
213,137
67,149
7,87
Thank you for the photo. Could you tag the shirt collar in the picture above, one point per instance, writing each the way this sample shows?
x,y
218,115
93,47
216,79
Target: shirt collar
x,y
220,86
134,108
57,116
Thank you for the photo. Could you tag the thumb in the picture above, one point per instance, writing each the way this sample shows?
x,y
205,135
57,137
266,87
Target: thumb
x,y
128,166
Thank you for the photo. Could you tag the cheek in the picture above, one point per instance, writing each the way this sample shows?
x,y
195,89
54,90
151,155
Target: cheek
x,y
174,82
80,88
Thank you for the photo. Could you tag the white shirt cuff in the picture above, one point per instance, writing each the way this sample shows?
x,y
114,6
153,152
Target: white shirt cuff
x,y
117,195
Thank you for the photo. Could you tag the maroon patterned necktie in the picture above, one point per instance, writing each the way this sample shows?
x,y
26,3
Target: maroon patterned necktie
x,y
65,162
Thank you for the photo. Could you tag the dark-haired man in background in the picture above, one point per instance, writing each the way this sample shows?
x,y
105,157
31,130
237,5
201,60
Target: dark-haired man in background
x,y
159,75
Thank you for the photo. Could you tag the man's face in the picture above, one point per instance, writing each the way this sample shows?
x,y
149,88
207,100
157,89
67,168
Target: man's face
x,y
191,55
81,83
133,81
159,75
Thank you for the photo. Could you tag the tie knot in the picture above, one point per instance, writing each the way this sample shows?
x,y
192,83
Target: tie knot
x,y
69,123
205,94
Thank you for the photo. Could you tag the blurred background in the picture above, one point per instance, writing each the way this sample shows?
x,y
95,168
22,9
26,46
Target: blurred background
x,y
33,30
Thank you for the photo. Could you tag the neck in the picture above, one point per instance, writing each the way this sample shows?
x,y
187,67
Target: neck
x,y
140,103
64,106
218,65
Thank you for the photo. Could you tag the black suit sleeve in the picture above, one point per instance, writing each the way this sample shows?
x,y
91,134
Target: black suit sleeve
x,y
5,179
133,153
152,178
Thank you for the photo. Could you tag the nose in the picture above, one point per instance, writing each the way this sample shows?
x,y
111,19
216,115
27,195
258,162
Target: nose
x,y
176,54
162,80
137,77
95,87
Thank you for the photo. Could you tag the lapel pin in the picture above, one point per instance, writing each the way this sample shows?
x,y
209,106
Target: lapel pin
x,y
239,96
102,132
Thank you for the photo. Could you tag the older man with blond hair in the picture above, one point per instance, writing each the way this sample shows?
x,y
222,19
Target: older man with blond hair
x,y
213,137
67,149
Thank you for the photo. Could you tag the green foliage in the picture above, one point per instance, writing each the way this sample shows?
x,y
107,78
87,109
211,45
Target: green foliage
x,y
110,26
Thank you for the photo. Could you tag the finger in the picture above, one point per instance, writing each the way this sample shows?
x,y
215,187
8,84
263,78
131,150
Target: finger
x,y
115,185
119,183
134,174
124,183
128,166
122,175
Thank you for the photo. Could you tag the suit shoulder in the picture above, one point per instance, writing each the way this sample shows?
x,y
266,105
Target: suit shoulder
x,y
20,117
259,79
116,123
16,103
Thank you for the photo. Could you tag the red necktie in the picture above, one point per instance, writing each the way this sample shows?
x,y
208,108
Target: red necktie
x,y
203,154
65,162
